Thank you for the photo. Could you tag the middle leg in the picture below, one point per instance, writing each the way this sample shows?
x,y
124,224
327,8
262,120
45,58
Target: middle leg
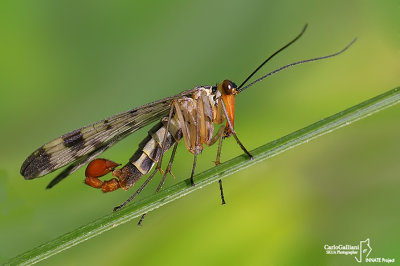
x,y
217,162
234,133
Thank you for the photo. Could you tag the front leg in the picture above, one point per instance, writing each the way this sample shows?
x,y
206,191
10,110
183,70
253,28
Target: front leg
x,y
217,162
232,131
197,148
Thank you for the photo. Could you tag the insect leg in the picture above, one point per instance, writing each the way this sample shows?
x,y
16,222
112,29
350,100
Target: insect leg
x,y
222,192
158,167
141,219
187,137
193,168
171,110
197,148
183,125
168,170
217,136
137,191
155,170
217,162
234,133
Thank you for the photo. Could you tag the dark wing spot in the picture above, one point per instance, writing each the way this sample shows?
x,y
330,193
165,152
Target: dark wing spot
x,y
108,126
132,112
36,163
73,139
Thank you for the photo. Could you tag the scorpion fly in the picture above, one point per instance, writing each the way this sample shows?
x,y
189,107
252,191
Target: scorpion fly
x,y
190,115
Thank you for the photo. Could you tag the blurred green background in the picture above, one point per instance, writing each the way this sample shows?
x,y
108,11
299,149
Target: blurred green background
x,y
66,64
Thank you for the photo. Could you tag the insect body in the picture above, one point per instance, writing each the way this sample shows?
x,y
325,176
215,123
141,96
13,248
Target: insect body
x,y
190,115
191,118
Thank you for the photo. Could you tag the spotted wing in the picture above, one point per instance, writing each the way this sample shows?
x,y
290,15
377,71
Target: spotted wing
x,y
82,145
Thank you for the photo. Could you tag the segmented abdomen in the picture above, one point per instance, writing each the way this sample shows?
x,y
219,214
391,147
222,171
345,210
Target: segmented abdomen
x,y
149,152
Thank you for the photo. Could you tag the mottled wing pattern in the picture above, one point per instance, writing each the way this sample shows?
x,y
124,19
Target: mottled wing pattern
x,y
85,159
82,145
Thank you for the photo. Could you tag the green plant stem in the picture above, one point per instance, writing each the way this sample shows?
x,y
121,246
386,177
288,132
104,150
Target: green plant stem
x,y
209,176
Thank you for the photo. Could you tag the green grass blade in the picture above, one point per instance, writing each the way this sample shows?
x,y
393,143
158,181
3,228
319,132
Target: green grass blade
x,y
209,176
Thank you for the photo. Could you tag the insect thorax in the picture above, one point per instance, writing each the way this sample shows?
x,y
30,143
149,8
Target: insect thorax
x,y
192,120
196,115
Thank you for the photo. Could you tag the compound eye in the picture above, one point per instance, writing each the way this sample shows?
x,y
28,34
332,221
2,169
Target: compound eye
x,y
228,87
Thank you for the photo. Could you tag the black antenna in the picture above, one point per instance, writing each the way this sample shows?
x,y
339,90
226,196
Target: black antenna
x,y
269,58
297,63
